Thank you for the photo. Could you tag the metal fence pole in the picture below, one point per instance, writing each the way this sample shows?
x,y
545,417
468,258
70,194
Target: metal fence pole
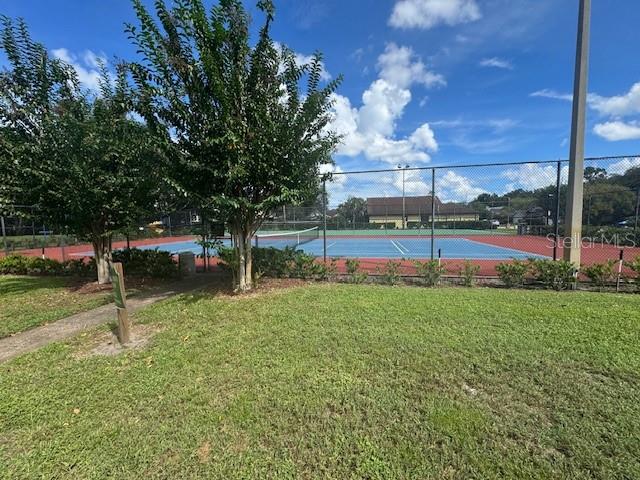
x,y
324,217
4,236
433,213
556,217
635,226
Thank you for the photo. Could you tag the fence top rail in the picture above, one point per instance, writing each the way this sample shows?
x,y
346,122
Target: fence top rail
x,y
494,164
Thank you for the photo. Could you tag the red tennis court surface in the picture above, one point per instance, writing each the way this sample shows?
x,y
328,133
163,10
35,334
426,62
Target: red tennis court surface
x,y
534,245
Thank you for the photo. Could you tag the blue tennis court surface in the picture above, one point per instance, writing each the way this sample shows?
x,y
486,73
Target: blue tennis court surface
x,y
397,247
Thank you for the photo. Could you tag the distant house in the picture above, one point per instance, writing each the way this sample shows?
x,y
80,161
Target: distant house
x,y
531,216
417,210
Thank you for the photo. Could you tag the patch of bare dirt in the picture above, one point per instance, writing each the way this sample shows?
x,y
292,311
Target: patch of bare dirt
x,y
132,284
106,343
266,285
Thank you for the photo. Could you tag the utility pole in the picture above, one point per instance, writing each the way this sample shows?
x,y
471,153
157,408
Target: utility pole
x,y
404,209
573,217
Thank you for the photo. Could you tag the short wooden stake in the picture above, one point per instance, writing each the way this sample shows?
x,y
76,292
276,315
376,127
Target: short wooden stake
x,y
120,298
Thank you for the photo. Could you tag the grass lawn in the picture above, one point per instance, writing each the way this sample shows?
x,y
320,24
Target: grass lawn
x,y
341,381
28,302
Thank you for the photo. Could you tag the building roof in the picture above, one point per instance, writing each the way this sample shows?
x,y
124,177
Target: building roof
x,y
421,205
381,206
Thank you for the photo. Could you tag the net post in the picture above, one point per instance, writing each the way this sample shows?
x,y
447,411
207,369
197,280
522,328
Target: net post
x,y
324,220
556,218
433,213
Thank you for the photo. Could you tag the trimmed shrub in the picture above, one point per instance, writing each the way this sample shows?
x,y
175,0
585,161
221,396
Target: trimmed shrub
x,y
21,265
556,275
431,271
146,263
390,273
468,273
327,271
601,274
512,274
353,271
634,266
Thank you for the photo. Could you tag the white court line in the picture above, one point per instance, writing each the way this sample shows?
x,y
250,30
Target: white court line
x,y
397,247
331,245
402,246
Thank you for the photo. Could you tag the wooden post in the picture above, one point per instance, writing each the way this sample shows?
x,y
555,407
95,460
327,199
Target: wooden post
x,y
124,324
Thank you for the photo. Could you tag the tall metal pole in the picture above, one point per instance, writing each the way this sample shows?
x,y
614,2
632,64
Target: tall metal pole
x,y
433,213
556,217
324,216
404,210
4,236
635,226
573,218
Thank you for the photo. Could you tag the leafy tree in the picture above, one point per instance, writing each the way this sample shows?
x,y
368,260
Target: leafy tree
x,y
593,174
607,204
242,136
86,166
353,211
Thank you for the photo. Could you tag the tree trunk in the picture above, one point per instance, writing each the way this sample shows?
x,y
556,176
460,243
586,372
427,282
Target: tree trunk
x,y
102,255
244,278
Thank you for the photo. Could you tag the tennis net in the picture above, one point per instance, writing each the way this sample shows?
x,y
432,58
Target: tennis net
x,y
287,239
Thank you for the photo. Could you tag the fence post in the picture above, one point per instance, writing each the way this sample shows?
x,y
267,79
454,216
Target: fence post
x,y
4,236
433,213
556,217
324,220
635,226
120,297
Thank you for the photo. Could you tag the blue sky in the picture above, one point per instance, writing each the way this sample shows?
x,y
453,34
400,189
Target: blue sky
x,y
426,82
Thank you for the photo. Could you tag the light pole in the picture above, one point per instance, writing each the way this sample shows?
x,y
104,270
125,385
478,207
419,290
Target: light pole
x,y
404,208
573,218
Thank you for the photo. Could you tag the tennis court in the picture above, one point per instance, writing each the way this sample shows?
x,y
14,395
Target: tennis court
x,y
312,242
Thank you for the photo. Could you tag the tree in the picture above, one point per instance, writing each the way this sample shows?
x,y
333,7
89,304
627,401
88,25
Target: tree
x,y
592,174
353,211
243,138
86,166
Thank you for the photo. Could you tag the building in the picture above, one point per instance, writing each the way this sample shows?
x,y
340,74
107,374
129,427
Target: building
x,y
417,211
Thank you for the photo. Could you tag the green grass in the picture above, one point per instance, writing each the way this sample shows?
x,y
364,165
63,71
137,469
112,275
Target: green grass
x,y
341,381
29,302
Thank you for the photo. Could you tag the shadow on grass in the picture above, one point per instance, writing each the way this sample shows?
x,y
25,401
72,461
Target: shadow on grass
x,y
23,284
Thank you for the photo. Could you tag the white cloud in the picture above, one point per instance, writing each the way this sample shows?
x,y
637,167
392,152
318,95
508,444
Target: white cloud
x,y
531,176
426,14
616,131
370,129
424,137
453,187
623,165
496,62
399,67
86,66
383,104
548,93
619,105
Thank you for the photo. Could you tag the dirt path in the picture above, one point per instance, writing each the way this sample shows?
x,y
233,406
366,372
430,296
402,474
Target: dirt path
x,y
31,340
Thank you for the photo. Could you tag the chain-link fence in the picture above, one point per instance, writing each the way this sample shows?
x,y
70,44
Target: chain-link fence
x,y
485,214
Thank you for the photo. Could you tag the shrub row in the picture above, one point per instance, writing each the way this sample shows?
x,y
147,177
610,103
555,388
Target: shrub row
x,y
276,263
140,263
20,265
561,275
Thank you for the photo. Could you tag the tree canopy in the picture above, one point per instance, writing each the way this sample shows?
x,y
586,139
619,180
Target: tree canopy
x,y
244,137
75,155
